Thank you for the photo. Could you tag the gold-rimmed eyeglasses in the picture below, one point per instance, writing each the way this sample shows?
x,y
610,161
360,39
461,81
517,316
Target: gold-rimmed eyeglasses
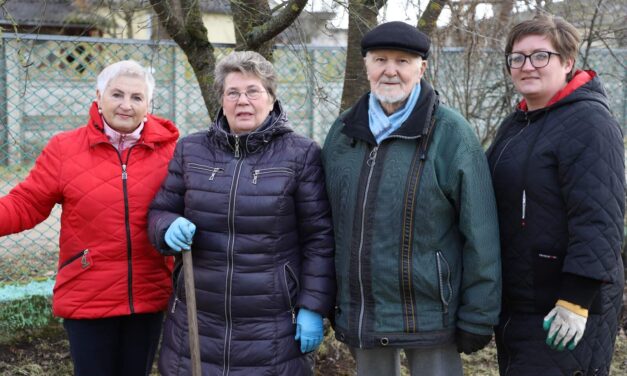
x,y
252,94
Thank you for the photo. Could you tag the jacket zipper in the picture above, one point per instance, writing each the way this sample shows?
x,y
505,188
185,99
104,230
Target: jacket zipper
x,y
524,193
287,270
212,170
507,144
272,170
444,282
507,354
177,284
82,255
127,223
229,260
371,163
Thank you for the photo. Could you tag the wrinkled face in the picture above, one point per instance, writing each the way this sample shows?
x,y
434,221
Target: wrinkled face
x,y
539,85
124,103
245,113
393,75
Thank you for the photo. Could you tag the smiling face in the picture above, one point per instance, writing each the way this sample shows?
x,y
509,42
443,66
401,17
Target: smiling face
x,y
393,75
539,85
244,115
124,103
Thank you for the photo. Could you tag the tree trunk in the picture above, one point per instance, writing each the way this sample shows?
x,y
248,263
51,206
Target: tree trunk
x,y
362,16
183,21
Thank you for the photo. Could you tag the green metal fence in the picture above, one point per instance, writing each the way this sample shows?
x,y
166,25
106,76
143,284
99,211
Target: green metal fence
x,y
48,82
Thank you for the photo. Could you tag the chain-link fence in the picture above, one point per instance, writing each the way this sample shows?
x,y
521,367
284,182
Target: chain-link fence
x,y
47,84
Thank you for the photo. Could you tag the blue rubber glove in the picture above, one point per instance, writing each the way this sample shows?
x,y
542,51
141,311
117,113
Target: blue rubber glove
x,y
180,234
309,330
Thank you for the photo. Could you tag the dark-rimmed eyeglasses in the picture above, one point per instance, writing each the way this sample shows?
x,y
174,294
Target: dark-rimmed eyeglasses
x,y
252,94
538,59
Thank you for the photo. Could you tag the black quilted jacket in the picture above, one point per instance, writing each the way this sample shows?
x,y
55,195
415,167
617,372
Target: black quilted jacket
x,y
568,159
263,247
559,181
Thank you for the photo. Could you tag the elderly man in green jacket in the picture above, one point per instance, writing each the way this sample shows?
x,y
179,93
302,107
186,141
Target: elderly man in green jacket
x,y
416,233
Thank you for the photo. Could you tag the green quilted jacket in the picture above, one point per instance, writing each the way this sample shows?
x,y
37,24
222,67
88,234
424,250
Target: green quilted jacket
x,y
416,234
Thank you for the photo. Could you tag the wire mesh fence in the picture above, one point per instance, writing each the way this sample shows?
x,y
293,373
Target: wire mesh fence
x,y
47,84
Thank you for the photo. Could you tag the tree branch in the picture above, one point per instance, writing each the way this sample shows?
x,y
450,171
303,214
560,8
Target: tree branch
x,y
275,25
590,34
428,19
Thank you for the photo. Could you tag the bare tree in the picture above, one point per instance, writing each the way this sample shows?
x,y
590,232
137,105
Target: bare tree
x,y
255,25
472,77
362,16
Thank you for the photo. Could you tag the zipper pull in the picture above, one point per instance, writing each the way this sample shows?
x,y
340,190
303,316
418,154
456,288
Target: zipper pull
x,y
236,146
373,156
293,316
84,261
523,223
213,174
124,174
255,175
174,305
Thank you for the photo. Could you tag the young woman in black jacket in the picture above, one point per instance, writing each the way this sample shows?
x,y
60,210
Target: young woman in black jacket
x,y
557,166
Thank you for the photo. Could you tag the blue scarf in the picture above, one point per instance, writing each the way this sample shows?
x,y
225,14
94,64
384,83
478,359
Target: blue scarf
x,y
382,125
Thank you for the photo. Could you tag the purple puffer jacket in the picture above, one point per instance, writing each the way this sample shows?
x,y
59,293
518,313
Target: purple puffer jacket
x,y
263,247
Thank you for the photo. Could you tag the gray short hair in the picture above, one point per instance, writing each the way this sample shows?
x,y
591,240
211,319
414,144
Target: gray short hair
x,y
126,68
245,62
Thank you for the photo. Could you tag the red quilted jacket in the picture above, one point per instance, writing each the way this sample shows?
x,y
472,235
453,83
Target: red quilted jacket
x,y
107,267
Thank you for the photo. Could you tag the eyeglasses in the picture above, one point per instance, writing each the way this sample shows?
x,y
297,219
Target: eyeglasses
x,y
539,59
252,94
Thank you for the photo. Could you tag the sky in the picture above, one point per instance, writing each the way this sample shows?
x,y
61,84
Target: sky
x,y
395,10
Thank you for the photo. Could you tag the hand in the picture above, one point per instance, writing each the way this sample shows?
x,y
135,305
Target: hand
x,y
468,343
309,330
180,234
565,326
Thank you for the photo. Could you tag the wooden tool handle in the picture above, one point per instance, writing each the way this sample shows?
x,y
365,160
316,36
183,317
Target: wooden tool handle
x,y
192,320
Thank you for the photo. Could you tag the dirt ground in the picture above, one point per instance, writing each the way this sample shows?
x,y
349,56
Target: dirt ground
x,y
45,352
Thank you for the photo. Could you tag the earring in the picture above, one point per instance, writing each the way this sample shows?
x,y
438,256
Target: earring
x,y
145,119
100,110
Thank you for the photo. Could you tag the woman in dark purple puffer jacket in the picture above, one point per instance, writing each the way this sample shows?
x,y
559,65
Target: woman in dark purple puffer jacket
x,y
248,198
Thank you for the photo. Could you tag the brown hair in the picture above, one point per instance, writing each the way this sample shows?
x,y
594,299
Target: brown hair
x,y
563,36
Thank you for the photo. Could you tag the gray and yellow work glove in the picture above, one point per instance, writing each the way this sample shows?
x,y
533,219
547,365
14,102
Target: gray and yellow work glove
x,y
566,324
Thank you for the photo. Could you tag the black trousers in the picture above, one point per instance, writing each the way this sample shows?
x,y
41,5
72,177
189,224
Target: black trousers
x,y
114,346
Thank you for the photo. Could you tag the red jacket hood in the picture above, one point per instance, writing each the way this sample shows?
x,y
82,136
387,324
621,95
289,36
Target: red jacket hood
x,y
580,78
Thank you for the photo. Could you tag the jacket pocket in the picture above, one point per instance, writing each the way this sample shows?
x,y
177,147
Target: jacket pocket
x,y
547,272
291,287
265,172
444,284
209,170
73,267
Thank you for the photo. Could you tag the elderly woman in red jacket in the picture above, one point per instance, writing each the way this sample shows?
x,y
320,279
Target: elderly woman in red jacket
x,y
111,285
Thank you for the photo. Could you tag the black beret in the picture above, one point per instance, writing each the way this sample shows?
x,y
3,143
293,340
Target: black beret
x,y
396,35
